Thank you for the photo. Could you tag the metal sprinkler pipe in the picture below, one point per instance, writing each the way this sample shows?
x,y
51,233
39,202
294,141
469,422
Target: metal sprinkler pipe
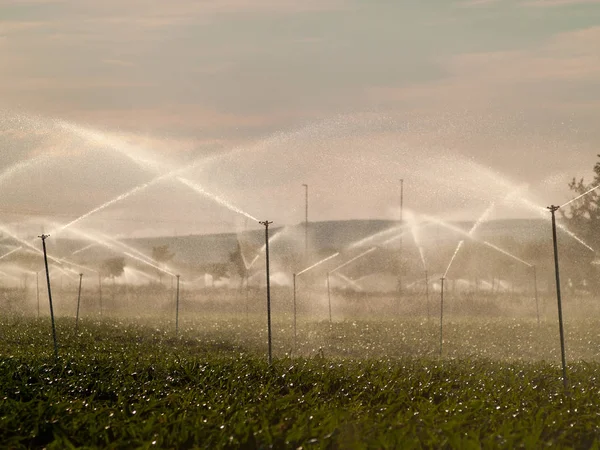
x,y
400,255
100,291
329,298
305,220
78,303
535,291
441,316
295,313
43,237
427,293
266,223
553,210
177,308
37,294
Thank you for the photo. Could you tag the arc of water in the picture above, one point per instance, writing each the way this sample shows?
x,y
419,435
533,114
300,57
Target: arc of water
x,y
83,249
274,237
414,229
200,190
375,236
14,250
580,196
348,281
150,264
543,213
151,165
458,247
114,244
474,228
350,261
318,263
510,255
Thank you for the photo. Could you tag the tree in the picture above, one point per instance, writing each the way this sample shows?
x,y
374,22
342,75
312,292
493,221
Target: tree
x,y
112,267
583,218
162,256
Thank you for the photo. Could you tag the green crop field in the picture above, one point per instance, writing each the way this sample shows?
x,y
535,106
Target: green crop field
x,y
353,384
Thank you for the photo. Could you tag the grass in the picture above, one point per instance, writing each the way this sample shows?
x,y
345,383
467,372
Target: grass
x,y
355,384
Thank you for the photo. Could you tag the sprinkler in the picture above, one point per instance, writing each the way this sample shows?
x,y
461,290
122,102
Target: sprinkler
x,y
535,291
177,308
305,220
427,293
266,223
441,315
100,292
329,297
78,303
553,210
43,237
295,313
37,292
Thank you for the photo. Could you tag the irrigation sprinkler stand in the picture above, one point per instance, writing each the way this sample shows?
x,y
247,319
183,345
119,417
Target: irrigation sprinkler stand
x,y
37,288
266,223
78,303
553,210
305,220
43,237
401,266
329,298
177,308
441,315
247,295
535,292
100,291
427,293
294,300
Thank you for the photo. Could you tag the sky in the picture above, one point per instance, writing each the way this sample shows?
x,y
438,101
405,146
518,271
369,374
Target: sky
x,y
226,108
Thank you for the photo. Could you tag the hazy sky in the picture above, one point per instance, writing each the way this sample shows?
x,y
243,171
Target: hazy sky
x,y
464,100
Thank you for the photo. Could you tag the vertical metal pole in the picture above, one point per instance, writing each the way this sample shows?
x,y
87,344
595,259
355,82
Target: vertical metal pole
x,y
37,287
266,224
295,329
305,219
329,297
535,291
78,303
247,296
43,238
427,293
100,291
401,265
553,210
177,308
441,316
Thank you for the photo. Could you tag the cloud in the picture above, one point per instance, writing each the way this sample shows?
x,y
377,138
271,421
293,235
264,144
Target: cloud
x,y
553,3
510,78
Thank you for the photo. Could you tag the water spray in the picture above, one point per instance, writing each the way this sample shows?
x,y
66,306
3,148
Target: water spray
x,y
266,223
579,196
553,210
43,237
318,263
78,303
400,255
